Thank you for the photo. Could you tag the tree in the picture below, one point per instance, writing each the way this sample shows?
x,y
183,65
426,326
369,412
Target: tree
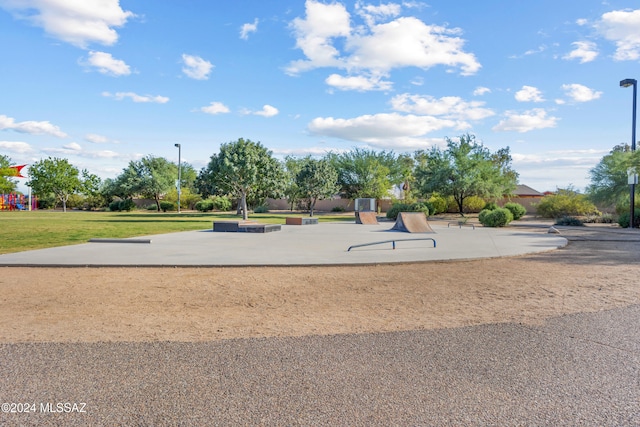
x,y
366,173
57,176
293,167
151,177
609,178
317,179
465,169
7,183
91,189
246,170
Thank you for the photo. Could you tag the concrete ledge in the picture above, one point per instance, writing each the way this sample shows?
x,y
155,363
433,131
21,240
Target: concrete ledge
x,y
260,228
230,226
301,221
98,240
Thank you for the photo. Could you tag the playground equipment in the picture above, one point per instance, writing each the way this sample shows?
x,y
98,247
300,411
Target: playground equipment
x,y
17,202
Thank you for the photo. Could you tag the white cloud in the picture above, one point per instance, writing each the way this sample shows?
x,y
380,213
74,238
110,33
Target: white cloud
x,y
17,147
107,64
248,28
75,149
30,127
621,27
585,51
78,22
73,146
580,93
480,90
196,67
359,83
215,108
98,139
529,94
526,122
267,111
451,107
376,48
119,96
389,131
582,22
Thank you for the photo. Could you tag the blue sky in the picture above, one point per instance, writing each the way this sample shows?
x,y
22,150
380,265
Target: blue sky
x,y
104,82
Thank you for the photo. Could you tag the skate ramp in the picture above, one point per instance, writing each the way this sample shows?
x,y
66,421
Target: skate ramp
x,y
366,218
412,222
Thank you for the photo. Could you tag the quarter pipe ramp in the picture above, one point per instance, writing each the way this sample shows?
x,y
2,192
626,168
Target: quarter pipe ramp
x,y
412,222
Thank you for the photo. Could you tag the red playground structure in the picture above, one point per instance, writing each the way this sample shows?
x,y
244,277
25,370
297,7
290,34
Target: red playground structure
x,y
19,202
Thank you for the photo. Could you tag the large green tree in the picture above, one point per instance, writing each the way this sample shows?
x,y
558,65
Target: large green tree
x,y
150,177
366,173
57,176
609,178
245,170
7,183
466,168
316,180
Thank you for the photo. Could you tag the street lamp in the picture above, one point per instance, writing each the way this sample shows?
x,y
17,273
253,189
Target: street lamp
x,y
632,177
179,173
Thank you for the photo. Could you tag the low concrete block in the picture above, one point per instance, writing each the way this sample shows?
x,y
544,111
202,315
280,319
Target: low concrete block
x,y
260,228
301,221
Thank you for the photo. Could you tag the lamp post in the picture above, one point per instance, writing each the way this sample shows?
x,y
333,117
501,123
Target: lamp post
x,y
179,173
632,178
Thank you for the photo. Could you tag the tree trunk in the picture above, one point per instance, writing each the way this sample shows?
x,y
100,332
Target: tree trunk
x,y
312,204
158,203
244,207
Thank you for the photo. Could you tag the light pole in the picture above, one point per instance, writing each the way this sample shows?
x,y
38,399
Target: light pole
x,y
632,178
179,173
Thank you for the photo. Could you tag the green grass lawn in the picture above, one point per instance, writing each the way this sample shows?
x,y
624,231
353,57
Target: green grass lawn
x,y
21,231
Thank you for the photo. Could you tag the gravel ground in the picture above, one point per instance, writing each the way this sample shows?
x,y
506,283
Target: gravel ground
x,y
581,370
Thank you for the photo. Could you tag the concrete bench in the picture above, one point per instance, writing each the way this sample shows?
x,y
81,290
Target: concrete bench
x,y
244,227
301,221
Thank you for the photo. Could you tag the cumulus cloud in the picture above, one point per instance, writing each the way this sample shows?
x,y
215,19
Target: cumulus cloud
x,y
76,22
480,90
75,149
31,127
584,51
529,94
621,27
119,96
526,122
248,28
387,131
267,111
215,108
107,64
359,83
17,147
98,139
196,67
451,107
580,93
327,39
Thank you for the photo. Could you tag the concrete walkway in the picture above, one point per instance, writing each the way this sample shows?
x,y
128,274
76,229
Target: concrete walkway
x,y
322,244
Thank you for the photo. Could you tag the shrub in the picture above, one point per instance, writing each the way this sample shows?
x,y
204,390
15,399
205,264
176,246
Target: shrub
x,y
491,206
499,217
393,212
338,209
517,210
437,204
623,219
569,220
204,205
261,209
221,203
152,207
565,203
167,206
122,205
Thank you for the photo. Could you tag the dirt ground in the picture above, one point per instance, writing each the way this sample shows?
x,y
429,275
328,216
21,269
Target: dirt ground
x,y
597,271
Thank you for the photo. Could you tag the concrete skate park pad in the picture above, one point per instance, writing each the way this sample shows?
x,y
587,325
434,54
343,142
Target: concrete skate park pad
x,y
412,222
324,244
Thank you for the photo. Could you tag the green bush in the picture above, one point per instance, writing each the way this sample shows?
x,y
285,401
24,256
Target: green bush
x,y
338,209
569,220
565,203
125,205
152,207
204,205
499,217
393,212
491,206
167,206
623,219
221,203
261,209
437,204
517,210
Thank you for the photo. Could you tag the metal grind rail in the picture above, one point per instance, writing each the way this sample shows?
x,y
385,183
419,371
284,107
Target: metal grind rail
x,y
393,242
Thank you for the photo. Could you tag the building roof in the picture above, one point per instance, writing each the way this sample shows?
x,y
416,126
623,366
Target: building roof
x,y
524,190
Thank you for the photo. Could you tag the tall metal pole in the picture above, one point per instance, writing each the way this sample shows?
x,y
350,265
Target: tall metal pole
x,y
179,173
632,183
